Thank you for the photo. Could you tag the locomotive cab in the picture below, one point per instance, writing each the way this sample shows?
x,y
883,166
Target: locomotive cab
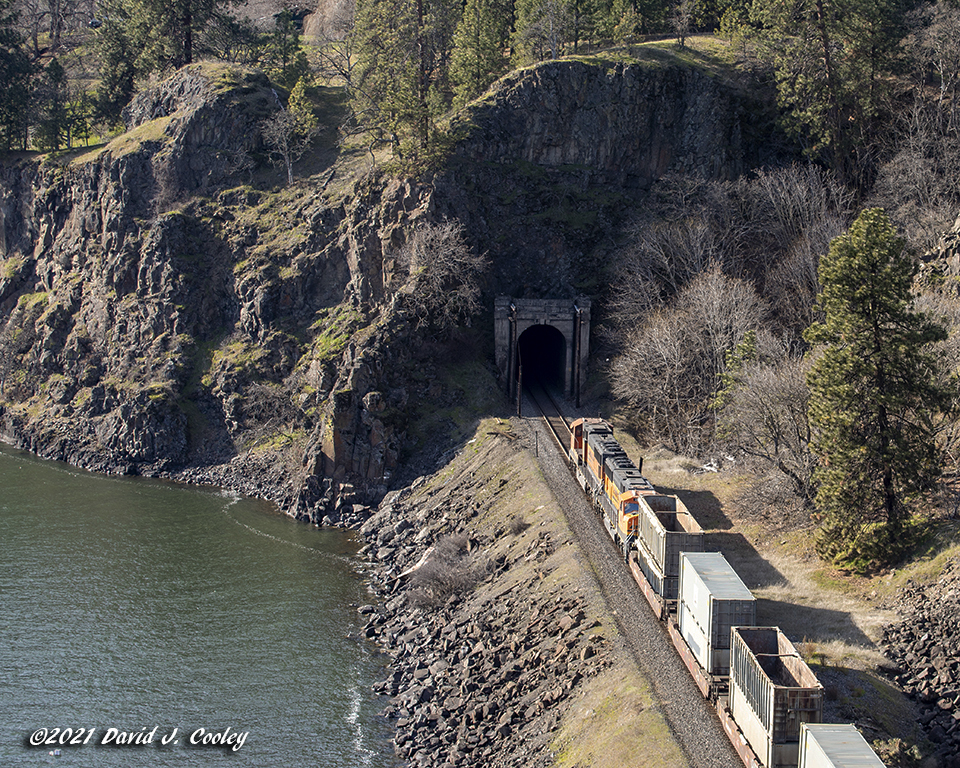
x,y
580,430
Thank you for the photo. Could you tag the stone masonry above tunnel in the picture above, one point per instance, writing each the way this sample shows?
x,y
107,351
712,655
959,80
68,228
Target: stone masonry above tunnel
x,y
552,335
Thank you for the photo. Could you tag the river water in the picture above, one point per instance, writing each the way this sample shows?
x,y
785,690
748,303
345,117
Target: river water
x,y
129,605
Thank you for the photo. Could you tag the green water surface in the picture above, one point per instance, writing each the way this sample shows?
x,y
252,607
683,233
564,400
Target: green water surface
x,y
131,605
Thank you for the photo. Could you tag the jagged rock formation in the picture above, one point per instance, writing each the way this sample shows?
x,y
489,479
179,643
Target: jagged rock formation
x,y
158,315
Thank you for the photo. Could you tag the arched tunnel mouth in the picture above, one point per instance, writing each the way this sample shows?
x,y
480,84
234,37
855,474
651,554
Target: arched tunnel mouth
x,y
541,350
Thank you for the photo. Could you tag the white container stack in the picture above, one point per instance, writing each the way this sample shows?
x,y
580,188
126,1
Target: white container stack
x,y
713,599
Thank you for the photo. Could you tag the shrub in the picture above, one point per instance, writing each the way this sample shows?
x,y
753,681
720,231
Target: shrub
x,y
450,570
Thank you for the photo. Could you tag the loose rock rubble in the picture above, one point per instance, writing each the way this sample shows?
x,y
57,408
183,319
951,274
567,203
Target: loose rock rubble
x,y
925,651
483,663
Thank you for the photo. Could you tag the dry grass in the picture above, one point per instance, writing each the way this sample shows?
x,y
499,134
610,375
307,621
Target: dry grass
x,y
615,723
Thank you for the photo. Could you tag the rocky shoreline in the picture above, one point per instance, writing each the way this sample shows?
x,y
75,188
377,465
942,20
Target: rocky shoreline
x,y
471,680
495,634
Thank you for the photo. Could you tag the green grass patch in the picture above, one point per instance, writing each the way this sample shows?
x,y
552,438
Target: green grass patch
x,y
241,356
33,301
132,141
281,441
334,327
10,267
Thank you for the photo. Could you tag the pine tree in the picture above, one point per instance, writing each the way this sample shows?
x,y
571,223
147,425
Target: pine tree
x,y
402,73
477,59
53,127
628,18
386,97
873,395
287,62
16,71
116,46
830,58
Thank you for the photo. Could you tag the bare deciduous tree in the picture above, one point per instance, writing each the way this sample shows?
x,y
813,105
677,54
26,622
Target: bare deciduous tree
x,y
669,371
445,275
290,130
330,30
659,260
917,183
764,419
933,45
682,19
771,228
799,199
943,305
654,376
724,309
791,284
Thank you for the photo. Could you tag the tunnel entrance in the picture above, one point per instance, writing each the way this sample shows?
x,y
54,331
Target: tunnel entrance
x,y
542,356
548,336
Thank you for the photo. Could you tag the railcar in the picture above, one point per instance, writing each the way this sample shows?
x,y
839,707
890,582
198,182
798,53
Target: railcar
x,y
713,600
765,695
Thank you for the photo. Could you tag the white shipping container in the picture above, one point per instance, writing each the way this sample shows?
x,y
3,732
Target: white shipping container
x,y
713,597
694,637
835,746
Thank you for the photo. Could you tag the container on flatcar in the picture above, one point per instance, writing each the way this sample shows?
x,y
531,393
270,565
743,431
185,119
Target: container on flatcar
x,y
666,529
772,693
713,600
835,746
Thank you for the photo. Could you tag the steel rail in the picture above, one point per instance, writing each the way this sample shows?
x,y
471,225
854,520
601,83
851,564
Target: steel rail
x,y
550,411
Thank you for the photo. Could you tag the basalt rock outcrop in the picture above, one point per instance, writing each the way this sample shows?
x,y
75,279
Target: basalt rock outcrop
x,y
162,314
624,124
150,310
925,651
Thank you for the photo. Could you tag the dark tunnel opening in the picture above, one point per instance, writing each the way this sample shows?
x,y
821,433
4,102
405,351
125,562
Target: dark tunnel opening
x,y
542,356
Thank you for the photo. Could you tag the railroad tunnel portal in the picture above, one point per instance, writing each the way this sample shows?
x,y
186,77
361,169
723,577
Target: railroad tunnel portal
x,y
546,338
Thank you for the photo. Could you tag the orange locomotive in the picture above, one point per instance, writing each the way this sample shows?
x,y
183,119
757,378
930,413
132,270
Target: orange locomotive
x,y
651,529
614,483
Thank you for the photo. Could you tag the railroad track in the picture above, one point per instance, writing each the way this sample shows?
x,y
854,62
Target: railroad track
x,y
694,724
556,423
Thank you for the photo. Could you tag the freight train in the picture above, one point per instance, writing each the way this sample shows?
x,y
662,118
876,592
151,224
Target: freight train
x,y
769,701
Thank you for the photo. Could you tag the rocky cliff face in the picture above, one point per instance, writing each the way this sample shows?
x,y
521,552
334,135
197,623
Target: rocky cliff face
x,y
624,124
159,315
